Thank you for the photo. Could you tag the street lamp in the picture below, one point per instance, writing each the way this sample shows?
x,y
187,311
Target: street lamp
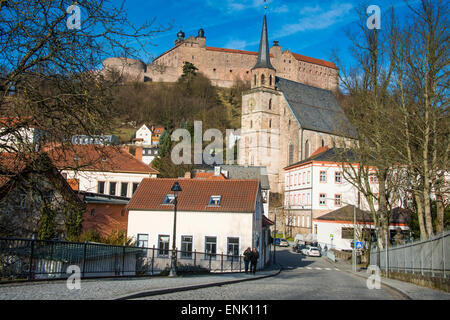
x,y
175,189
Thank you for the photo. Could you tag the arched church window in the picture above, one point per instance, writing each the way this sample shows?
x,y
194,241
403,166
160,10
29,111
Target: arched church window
x,y
307,149
251,124
263,79
291,153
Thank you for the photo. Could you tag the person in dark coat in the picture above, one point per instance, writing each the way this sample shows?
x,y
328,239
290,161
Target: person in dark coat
x,y
247,255
254,260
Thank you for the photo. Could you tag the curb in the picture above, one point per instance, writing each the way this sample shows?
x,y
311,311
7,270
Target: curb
x,y
150,293
399,291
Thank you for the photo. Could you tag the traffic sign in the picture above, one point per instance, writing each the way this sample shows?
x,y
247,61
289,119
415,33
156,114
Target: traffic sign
x,y
359,245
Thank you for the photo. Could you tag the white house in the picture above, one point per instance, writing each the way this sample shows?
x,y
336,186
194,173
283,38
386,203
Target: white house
x,y
144,136
16,133
316,186
213,217
104,170
335,229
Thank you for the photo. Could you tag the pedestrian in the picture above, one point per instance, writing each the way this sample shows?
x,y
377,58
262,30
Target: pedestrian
x,y
247,255
254,260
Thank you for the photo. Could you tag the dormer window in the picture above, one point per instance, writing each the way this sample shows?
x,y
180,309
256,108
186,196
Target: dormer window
x,y
169,199
214,201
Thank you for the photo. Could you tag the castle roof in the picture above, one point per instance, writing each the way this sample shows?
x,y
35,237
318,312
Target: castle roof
x,y
314,108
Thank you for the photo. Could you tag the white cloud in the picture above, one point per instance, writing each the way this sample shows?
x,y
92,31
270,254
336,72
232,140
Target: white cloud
x,y
233,6
236,44
316,18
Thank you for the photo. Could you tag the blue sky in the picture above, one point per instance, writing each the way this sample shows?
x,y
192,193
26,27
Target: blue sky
x,y
311,28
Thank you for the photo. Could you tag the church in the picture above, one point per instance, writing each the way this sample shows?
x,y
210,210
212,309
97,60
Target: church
x,y
285,121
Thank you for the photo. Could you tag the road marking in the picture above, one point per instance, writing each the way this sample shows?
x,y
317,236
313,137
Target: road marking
x,y
327,268
336,269
318,268
309,268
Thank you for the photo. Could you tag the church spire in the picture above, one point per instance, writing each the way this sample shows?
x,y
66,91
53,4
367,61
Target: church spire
x,y
264,54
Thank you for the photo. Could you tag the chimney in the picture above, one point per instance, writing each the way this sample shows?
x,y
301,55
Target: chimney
x,y
217,171
187,175
138,153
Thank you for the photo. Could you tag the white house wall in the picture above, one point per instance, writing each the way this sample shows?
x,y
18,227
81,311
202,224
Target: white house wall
x,y
198,225
88,180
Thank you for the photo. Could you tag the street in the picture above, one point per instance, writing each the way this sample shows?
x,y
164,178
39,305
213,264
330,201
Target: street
x,y
305,278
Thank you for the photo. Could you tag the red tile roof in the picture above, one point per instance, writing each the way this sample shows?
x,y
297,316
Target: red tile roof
x,y
97,158
209,175
319,151
12,163
314,61
237,195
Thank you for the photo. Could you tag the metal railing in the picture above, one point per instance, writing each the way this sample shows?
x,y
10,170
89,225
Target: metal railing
x,y
429,257
30,259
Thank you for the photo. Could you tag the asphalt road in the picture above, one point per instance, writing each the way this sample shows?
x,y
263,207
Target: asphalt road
x,y
305,278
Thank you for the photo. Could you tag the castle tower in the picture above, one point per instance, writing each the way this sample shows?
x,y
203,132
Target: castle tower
x,y
260,123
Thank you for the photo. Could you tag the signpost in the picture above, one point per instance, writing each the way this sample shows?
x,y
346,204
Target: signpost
x,y
359,245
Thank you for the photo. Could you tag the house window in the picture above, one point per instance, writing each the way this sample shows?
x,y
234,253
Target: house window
x,y
124,189
142,240
338,200
338,177
92,212
323,176
322,199
210,247
214,201
163,245
135,187
233,248
308,177
112,188
186,247
307,221
169,199
122,212
347,233
373,179
101,187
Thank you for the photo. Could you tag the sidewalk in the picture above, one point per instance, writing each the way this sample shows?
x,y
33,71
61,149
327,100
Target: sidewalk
x,y
410,290
122,288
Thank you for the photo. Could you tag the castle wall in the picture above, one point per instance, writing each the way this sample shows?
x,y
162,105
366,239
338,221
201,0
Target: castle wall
x,y
226,66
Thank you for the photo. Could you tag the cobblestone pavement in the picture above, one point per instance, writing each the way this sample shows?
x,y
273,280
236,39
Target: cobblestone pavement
x,y
306,278
106,289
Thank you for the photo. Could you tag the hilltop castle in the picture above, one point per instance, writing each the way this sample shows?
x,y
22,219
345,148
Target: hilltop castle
x,y
225,66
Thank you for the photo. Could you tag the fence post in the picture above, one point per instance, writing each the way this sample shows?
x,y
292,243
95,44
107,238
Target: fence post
x,y
30,271
232,257
221,262
123,260
210,257
84,258
240,264
195,257
153,258
443,253
432,270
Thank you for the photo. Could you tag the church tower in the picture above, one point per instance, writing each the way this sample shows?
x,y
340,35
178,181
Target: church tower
x,y
260,123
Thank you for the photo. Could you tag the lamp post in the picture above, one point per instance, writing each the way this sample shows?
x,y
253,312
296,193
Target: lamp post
x,y
175,189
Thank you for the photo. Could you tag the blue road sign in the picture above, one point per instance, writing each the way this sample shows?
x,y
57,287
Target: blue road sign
x,y
359,245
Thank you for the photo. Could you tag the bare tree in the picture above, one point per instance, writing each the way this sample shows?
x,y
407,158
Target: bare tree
x,y
421,89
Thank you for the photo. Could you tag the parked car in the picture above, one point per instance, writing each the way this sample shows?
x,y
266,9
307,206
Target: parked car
x,y
311,251
298,248
283,243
